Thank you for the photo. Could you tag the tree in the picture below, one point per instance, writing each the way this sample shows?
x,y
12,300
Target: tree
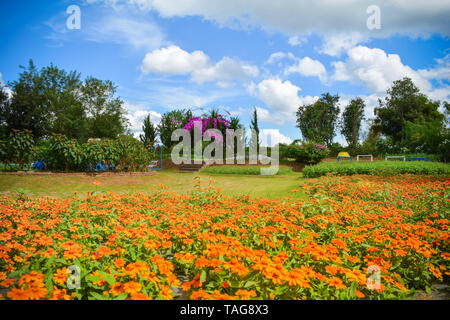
x,y
67,114
317,121
254,141
28,108
403,103
106,117
149,136
351,121
171,121
51,100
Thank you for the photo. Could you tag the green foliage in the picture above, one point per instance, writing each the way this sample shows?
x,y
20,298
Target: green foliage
x,y
107,118
317,121
125,153
377,168
335,148
51,100
254,127
310,153
18,148
62,153
132,154
149,136
425,136
403,103
351,121
171,121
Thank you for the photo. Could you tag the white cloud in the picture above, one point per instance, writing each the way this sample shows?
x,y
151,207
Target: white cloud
x,y
305,16
5,88
124,28
442,94
270,137
440,72
281,97
137,114
297,41
336,44
121,30
376,69
174,60
225,69
308,67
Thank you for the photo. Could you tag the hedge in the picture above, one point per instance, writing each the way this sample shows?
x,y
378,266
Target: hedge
x,y
380,168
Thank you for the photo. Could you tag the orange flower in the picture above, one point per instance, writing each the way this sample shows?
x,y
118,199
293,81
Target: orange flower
x,y
60,276
18,294
104,251
336,282
132,287
119,263
359,294
96,183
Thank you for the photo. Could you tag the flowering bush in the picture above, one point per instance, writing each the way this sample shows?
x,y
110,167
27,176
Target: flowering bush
x,y
311,153
143,246
18,148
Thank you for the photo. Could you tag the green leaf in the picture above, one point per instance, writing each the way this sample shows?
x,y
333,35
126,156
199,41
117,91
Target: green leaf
x,y
97,296
121,296
203,276
107,277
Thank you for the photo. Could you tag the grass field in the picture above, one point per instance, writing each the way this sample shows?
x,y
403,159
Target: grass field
x,y
231,184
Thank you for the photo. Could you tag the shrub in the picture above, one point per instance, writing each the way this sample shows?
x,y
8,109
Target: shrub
x,y
62,153
380,168
310,153
18,149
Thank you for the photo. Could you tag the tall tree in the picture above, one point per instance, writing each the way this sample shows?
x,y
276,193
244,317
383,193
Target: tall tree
x,y
254,141
170,121
28,108
149,136
403,103
351,121
317,121
106,116
51,100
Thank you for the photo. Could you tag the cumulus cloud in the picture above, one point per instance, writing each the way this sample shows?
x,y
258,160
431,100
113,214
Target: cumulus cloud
x,y
376,69
174,60
281,96
137,114
270,137
440,72
308,67
226,69
336,44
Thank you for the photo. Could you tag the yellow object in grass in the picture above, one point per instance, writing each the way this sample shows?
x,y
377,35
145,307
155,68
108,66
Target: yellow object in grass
x,y
343,154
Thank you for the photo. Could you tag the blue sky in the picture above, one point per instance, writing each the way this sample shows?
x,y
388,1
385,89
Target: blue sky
x,y
272,55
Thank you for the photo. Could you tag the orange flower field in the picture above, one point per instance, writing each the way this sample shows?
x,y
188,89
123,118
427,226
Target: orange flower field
x,y
359,237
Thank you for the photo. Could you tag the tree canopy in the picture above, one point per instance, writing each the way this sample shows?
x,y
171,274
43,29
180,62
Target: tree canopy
x,y
404,102
52,100
317,121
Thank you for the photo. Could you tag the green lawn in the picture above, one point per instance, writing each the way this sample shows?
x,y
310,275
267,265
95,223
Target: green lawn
x,y
277,186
